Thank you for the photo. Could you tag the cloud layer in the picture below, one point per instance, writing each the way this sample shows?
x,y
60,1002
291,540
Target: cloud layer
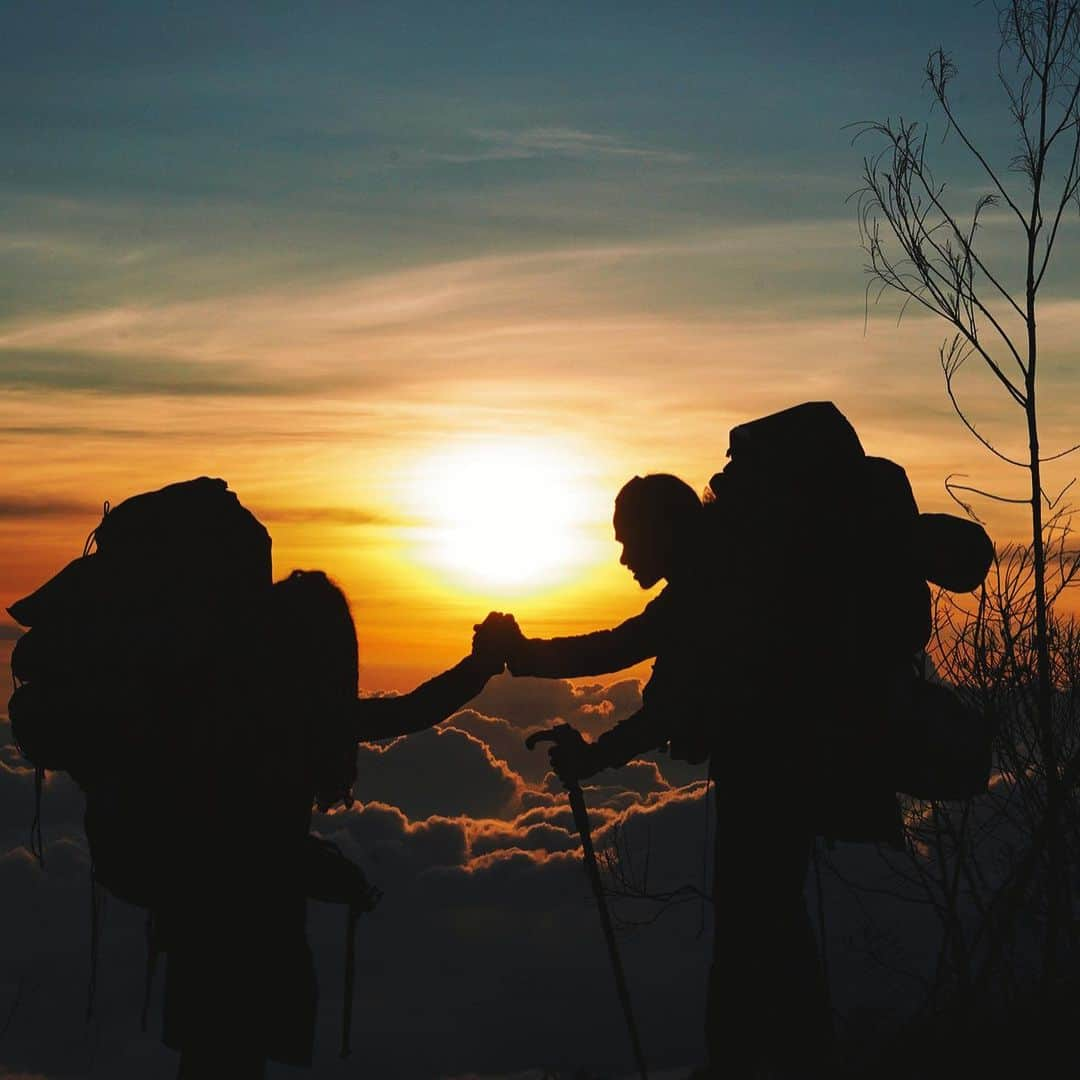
x,y
487,939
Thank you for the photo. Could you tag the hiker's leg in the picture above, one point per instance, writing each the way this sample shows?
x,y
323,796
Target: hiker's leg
x,y
217,1067
214,999
767,1000
203,1062
795,1020
730,1042
731,1036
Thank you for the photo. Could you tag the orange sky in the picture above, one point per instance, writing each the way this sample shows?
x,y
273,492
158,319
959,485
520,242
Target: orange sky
x,y
462,365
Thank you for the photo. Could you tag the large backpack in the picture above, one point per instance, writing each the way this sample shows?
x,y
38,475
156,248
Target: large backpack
x,y
841,558
124,649
811,455
146,673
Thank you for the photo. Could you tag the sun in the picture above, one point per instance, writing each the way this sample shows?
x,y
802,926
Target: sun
x,y
514,513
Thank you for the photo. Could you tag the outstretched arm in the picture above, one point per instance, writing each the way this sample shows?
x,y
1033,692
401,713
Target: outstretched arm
x,y
427,705
638,734
574,759
597,653
438,698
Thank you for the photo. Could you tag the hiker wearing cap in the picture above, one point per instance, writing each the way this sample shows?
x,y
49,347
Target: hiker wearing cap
x,y
766,998
767,1003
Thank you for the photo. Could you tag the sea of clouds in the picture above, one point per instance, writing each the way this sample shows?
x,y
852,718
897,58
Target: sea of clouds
x,y
485,956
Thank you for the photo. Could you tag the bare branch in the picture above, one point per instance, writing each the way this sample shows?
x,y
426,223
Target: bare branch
x,y
1064,453
970,253
939,72
943,280
951,488
1068,193
1051,503
951,364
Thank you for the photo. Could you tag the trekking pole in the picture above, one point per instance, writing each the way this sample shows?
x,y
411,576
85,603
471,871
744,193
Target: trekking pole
x,y
560,735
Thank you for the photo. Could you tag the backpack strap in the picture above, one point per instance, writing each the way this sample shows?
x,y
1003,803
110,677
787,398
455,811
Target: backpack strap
x,y
352,917
37,842
152,952
95,942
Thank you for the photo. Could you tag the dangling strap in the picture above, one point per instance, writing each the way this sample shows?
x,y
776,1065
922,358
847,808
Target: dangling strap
x,y
151,966
95,933
821,925
91,540
706,885
352,918
37,843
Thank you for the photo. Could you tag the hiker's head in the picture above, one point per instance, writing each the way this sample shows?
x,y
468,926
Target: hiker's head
x,y
658,522
317,638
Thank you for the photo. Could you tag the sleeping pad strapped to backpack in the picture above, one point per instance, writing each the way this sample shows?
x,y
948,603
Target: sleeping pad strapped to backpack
x,y
129,649
839,558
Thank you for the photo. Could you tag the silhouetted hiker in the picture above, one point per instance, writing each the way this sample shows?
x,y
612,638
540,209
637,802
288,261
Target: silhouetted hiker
x,y
242,975
240,970
203,710
796,597
767,1002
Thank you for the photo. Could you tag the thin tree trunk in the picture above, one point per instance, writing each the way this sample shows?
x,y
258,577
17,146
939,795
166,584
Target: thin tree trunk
x,y
1044,689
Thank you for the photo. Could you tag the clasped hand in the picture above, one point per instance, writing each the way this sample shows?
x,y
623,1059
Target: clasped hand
x,y
497,640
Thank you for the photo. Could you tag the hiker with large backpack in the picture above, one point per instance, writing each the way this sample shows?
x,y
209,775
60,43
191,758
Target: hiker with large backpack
x,y
796,603
194,700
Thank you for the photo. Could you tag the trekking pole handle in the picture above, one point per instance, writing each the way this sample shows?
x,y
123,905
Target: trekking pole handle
x,y
570,748
560,734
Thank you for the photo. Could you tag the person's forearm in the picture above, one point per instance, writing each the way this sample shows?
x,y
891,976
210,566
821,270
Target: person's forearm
x,y
638,734
427,705
586,654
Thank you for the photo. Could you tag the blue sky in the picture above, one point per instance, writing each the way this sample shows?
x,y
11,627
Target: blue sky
x,y
333,138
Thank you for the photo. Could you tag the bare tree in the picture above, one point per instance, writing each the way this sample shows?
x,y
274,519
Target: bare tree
x,y
919,246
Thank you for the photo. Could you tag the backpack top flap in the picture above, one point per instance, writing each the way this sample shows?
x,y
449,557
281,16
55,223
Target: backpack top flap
x,y
72,589
198,530
811,437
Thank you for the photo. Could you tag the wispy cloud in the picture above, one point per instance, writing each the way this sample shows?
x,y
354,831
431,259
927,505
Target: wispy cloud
x,y
20,507
327,515
138,374
228,327
75,431
74,369
555,142
541,340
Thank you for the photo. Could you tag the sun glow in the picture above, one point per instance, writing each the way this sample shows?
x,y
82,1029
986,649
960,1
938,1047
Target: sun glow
x,y
519,514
